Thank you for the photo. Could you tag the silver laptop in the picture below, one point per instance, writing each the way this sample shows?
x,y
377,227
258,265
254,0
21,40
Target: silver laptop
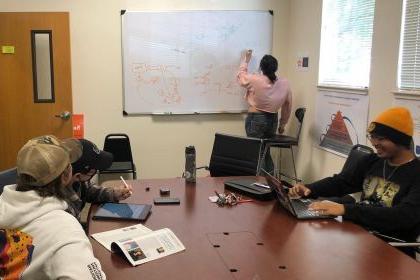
x,y
297,207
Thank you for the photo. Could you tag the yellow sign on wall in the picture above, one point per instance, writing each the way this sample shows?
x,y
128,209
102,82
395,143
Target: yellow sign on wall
x,y
8,49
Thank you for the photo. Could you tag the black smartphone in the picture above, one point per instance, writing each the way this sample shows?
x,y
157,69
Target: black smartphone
x,y
166,200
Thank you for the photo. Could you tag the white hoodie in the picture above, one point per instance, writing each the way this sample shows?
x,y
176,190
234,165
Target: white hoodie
x,y
46,241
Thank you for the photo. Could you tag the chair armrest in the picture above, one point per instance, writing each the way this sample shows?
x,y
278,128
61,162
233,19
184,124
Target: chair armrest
x,y
404,244
202,167
387,238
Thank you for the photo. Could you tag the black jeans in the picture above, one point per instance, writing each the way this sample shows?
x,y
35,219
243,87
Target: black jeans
x,y
262,125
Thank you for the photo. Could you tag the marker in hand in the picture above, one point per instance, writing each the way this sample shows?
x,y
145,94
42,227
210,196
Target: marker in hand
x,y
126,185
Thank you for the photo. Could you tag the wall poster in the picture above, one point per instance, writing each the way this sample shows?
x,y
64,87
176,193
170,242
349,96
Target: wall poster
x,y
341,120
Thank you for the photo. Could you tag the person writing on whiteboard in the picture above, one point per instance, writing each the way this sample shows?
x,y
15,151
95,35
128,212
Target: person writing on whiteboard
x,y
266,94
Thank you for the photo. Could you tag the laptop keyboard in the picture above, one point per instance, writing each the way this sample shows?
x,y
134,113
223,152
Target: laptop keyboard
x,y
301,208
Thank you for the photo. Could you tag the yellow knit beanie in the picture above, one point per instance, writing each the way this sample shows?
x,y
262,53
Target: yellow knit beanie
x,y
396,124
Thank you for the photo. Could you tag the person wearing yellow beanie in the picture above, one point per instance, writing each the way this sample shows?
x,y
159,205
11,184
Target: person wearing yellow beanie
x,y
389,181
395,124
391,134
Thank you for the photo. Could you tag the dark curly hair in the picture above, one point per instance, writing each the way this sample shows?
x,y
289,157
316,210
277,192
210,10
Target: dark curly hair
x,y
269,66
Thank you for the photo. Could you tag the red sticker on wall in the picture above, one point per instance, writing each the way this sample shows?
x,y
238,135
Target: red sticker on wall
x,y
78,126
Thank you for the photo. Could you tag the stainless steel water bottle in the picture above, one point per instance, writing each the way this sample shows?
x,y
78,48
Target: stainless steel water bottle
x,y
190,174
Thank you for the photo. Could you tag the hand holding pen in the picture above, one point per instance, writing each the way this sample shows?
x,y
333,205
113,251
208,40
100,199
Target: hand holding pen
x,y
123,191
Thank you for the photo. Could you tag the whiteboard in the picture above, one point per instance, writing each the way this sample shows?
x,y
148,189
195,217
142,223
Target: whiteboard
x,y
185,62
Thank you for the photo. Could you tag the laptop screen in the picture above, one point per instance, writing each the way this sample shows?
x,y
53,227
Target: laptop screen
x,y
277,187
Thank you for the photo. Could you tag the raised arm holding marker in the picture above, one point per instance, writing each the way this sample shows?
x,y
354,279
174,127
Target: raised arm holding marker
x,y
126,185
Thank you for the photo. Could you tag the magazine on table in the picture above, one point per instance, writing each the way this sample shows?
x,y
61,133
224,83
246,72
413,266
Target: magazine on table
x,y
138,244
107,237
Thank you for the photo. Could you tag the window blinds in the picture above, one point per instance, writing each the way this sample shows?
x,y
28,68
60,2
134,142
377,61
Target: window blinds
x,y
346,40
409,65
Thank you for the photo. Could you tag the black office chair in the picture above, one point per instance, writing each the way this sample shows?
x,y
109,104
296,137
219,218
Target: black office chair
x,y
357,154
119,146
7,177
287,142
235,156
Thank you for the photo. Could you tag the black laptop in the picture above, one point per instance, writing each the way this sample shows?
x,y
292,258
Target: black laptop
x,y
297,207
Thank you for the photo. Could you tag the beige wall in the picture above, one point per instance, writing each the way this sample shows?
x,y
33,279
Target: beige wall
x,y
159,141
304,37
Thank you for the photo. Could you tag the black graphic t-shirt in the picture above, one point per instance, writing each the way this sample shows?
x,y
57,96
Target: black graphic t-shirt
x,y
390,201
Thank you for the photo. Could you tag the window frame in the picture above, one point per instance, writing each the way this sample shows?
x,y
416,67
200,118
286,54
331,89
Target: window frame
x,y
405,90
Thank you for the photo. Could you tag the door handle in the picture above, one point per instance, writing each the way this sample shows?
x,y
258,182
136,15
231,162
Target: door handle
x,y
64,115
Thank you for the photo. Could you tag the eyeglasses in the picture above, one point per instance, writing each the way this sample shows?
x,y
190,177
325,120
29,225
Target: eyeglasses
x,y
373,137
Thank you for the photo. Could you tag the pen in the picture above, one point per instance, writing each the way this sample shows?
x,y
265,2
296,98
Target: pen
x,y
218,195
125,184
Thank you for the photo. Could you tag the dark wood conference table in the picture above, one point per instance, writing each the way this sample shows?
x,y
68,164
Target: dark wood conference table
x,y
253,240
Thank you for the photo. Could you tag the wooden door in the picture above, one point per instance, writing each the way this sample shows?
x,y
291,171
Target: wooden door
x,y
22,116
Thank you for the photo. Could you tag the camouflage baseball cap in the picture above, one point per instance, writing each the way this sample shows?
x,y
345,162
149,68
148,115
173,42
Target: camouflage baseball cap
x,y
44,158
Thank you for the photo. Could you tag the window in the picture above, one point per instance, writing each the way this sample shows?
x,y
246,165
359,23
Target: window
x,y
42,66
346,41
409,61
